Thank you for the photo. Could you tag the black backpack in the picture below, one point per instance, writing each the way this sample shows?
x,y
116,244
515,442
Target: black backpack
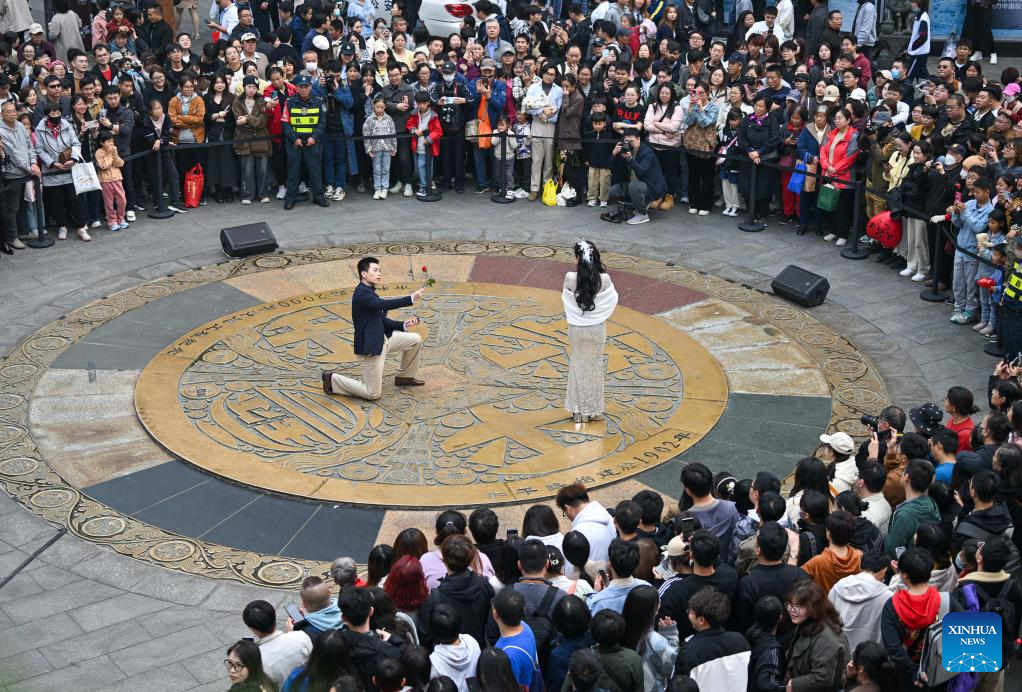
x,y
1014,565
543,627
1002,605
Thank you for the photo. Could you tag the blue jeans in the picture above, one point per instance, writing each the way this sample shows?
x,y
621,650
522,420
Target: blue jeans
x,y
381,170
335,162
253,176
483,161
963,283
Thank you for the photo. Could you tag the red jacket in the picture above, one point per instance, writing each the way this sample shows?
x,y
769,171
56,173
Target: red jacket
x,y
435,132
273,126
845,153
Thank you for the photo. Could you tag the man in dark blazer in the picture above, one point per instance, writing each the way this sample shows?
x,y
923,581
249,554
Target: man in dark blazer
x,y
376,335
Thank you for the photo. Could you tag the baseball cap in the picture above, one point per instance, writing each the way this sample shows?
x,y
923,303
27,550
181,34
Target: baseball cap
x,y
35,28
449,67
599,42
800,77
926,418
831,94
840,442
347,49
675,547
302,80
886,74
793,95
250,79
380,49
858,95
319,42
248,37
882,118
958,149
487,64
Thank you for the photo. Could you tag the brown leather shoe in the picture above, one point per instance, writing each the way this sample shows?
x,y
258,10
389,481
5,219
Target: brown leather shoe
x,y
326,382
407,382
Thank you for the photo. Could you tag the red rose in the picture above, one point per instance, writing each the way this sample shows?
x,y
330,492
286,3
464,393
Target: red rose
x,y
424,269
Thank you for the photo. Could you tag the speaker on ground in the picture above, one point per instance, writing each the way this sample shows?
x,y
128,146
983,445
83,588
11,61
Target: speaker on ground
x,y
800,286
250,239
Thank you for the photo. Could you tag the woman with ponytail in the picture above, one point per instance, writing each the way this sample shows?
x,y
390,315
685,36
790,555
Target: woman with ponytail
x,y
589,300
871,670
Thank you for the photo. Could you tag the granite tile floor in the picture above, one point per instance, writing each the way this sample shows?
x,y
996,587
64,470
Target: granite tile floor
x,y
79,614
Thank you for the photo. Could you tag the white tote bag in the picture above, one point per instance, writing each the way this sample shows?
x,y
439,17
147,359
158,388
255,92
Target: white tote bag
x,y
85,179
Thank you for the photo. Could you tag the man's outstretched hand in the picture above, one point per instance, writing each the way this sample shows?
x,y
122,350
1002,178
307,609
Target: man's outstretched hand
x,y
417,296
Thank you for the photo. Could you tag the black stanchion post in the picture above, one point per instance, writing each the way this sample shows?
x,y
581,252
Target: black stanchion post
x,y
752,224
500,197
40,241
853,252
933,294
159,209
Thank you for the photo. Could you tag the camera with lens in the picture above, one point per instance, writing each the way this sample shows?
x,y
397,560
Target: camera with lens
x,y
872,422
626,147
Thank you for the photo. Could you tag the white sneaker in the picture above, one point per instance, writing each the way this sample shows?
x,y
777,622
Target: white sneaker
x,y
396,187
841,242
408,190
302,189
521,194
246,201
176,210
637,219
977,56
339,194
383,193
129,216
593,203
907,271
704,212
281,193
376,194
329,191
829,237
603,203
510,194
692,210
95,224
918,277
62,233
84,234
264,200
993,58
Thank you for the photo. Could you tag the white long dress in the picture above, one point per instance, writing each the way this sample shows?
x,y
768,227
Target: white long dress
x,y
587,337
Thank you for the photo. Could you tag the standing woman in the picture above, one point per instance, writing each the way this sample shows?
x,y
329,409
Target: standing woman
x,y
87,129
658,649
187,114
759,135
569,138
222,172
914,187
249,112
837,158
818,654
807,149
157,134
701,144
59,148
663,125
244,665
589,300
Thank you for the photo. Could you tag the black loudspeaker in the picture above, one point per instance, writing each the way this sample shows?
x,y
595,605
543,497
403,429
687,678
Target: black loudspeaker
x,y
250,239
800,286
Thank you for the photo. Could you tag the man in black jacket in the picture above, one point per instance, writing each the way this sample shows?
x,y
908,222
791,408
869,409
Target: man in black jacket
x,y
365,646
468,592
771,577
713,653
649,185
155,33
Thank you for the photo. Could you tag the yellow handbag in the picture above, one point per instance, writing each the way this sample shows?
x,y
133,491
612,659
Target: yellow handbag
x,y
550,193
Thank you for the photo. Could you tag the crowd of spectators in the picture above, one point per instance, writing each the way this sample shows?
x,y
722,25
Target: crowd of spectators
x,y
826,582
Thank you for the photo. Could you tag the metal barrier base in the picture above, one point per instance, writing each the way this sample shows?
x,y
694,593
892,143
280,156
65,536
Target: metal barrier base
x,y
854,253
43,241
752,226
430,197
159,213
992,349
932,295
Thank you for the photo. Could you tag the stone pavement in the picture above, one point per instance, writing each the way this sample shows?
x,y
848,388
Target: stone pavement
x,y
84,616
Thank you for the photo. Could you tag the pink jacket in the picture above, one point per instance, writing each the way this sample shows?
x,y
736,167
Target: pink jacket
x,y
661,131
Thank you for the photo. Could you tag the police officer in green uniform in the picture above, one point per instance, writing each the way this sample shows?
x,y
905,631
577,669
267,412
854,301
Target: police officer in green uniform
x,y
304,125
1011,303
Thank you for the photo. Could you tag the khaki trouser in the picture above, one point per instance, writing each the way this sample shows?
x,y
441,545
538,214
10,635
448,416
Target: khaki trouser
x,y
599,184
542,154
874,205
407,343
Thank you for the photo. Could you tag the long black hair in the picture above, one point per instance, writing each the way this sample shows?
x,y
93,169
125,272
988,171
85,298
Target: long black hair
x,y
328,661
588,270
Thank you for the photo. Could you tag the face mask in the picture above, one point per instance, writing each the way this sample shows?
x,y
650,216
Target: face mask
x,y
948,160
311,66
53,119
958,562
896,74
964,173
448,79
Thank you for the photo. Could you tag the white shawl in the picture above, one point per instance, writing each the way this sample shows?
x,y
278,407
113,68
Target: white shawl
x,y
605,301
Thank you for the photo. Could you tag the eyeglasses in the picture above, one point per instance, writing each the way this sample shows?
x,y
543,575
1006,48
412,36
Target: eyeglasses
x,y
795,609
233,667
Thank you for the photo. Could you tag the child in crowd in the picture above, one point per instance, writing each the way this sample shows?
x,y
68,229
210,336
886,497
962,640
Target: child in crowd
x,y
728,167
970,218
109,165
426,133
599,153
996,230
380,150
522,130
503,159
